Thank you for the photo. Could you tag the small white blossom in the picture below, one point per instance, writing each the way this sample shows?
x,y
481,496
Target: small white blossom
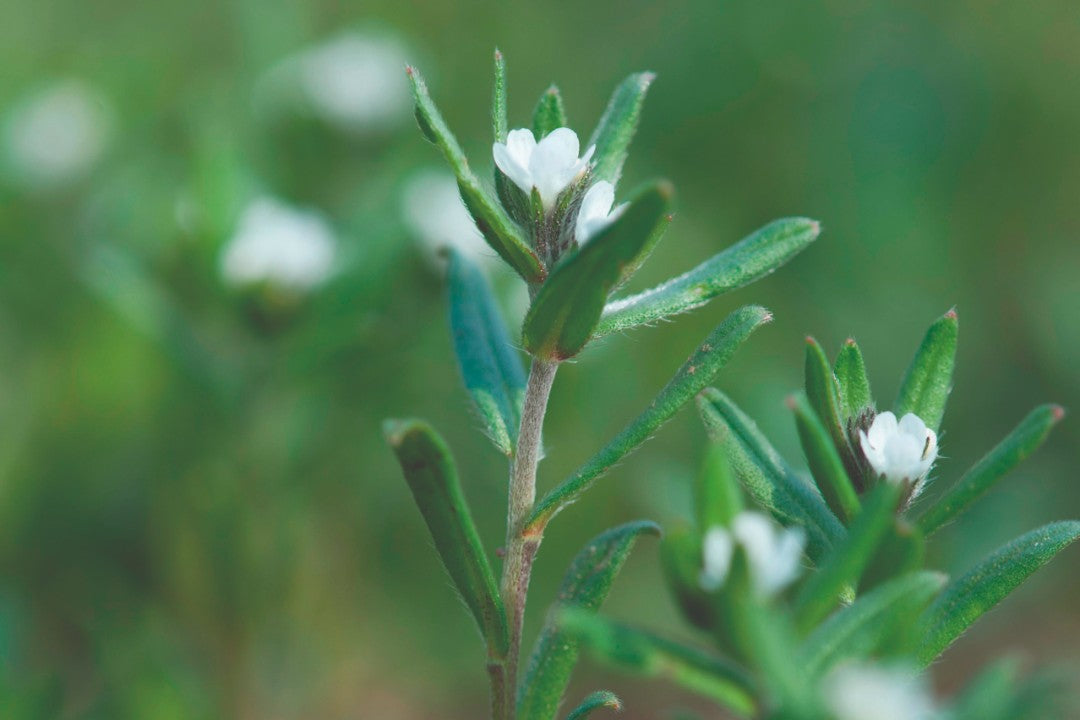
x,y
901,451
863,692
56,134
596,212
433,210
773,554
281,245
550,166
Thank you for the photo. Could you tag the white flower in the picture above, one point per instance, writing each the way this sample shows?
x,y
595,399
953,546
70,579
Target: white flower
x,y
596,212
550,166
901,451
773,554
57,134
861,692
433,210
279,244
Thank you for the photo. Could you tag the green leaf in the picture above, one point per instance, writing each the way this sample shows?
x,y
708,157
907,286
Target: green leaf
x,y
843,567
429,470
991,694
765,475
987,584
752,258
902,550
926,385
568,306
549,114
500,126
489,364
585,586
500,232
823,393
647,654
697,372
717,497
1010,452
595,701
681,559
825,463
617,127
858,630
850,371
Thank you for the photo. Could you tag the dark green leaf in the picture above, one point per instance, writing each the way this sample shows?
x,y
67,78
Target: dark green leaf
x,y
752,258
858,630
902,550
595,701
585,586
499,124
717,497
681,558
991,695
823,392
1010,452
926,385
987,584
647,654
568,306
825,463
765,475
429,470
498,229
850,371
617,126
489,364
695,374
549,114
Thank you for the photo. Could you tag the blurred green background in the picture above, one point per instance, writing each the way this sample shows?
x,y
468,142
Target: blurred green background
x,y
198,516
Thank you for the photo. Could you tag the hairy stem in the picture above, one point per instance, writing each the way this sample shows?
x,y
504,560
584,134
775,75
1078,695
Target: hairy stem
x,y
521,547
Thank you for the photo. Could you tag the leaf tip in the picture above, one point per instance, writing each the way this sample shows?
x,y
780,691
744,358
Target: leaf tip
x,y
951,315
791,401
1057,413
395,430
850,342
498,55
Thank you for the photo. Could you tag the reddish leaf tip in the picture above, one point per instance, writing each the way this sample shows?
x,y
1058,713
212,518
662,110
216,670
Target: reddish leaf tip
x,y
791,402
951,315
1057,412
850,342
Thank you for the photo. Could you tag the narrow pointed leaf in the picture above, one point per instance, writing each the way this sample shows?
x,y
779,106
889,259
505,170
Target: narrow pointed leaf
x,y
617,127
500,232
585,586
1010,452
549,114
901,551
697,372
858,630
825,463
765,475
717,497
429,470
850,371
568,306
926,385
991,695
750,259
650,655
489,364
988,583
595,701
843,567
823,393
499,124
681,560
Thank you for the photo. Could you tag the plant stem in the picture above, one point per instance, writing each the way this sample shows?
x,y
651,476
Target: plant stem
x,y
521,547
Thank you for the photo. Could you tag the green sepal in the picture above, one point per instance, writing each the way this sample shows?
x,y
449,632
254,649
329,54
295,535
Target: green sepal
x,y
500,232
595,701
766,477
568,306
549,113
988,583
860,629
850,371
697,372
1010,452
644,653
925,388
585,586
750,259
823,393
717,496
490,367
430,472
841,569
825,463
500,126
680,559
617,127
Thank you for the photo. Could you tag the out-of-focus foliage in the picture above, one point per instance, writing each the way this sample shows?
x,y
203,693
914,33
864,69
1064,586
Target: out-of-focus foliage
x,y
198,516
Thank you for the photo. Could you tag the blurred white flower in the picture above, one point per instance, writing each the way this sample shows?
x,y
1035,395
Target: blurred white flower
x,y
865,692
56,134
355,81
596,212
281,245
773,553
901,451
550,165
433,210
